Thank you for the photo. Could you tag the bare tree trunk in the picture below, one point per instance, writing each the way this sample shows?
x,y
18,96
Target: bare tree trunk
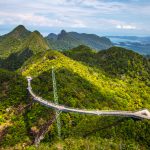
x,y
43,130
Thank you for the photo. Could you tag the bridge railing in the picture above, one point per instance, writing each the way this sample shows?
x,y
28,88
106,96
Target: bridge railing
x,y
142,114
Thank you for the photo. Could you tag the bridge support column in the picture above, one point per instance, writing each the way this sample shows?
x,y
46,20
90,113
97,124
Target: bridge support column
x,y
56,102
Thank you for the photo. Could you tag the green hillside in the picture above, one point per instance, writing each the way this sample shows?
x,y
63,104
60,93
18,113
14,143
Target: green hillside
x,y
9,43
116,61
35,42
81,84
23,44
118,88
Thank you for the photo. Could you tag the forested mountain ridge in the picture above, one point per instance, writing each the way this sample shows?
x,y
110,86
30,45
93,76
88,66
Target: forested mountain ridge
x,y
35,42
20,32
9,43
112,79
68,40
20,39
20,44
115,61
80,86
44,61
24,44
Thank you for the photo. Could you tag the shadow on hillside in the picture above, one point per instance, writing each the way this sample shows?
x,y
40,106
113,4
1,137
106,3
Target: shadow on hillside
x,y
73,90
15,60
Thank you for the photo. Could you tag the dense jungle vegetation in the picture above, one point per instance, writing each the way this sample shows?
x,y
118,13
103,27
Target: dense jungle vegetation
x,y
113,79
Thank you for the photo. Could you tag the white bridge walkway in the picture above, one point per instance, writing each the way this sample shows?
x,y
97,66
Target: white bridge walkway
x,y
141,114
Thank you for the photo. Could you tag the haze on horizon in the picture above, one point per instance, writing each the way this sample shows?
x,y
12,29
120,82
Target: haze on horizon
x,y
102,17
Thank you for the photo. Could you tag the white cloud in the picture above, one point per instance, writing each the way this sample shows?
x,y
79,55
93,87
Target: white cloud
x,y
39,20
98,15
128,27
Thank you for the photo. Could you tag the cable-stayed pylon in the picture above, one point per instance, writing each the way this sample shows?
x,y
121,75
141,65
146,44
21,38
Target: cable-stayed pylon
x,y
56,102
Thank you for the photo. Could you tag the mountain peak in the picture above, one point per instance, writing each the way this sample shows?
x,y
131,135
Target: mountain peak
x,y
63,32
52,36
62,35
71,40
37,32
19,32
35,42
20,27
82,48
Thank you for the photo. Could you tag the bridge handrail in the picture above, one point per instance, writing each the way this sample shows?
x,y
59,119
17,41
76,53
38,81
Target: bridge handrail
x,y
142,114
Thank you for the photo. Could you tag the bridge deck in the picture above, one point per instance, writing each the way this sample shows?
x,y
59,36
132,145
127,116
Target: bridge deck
x,y
142,114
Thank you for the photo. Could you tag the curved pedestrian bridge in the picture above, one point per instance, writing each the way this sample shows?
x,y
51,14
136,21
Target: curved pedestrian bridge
x,y
141,114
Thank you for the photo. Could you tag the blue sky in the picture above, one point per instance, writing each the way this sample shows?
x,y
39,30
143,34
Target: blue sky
x,y
102,17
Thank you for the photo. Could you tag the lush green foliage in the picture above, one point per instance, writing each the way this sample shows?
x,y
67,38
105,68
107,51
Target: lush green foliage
x,y
24,123
11,42
116,61
85,83
92,143
18,46
120,90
